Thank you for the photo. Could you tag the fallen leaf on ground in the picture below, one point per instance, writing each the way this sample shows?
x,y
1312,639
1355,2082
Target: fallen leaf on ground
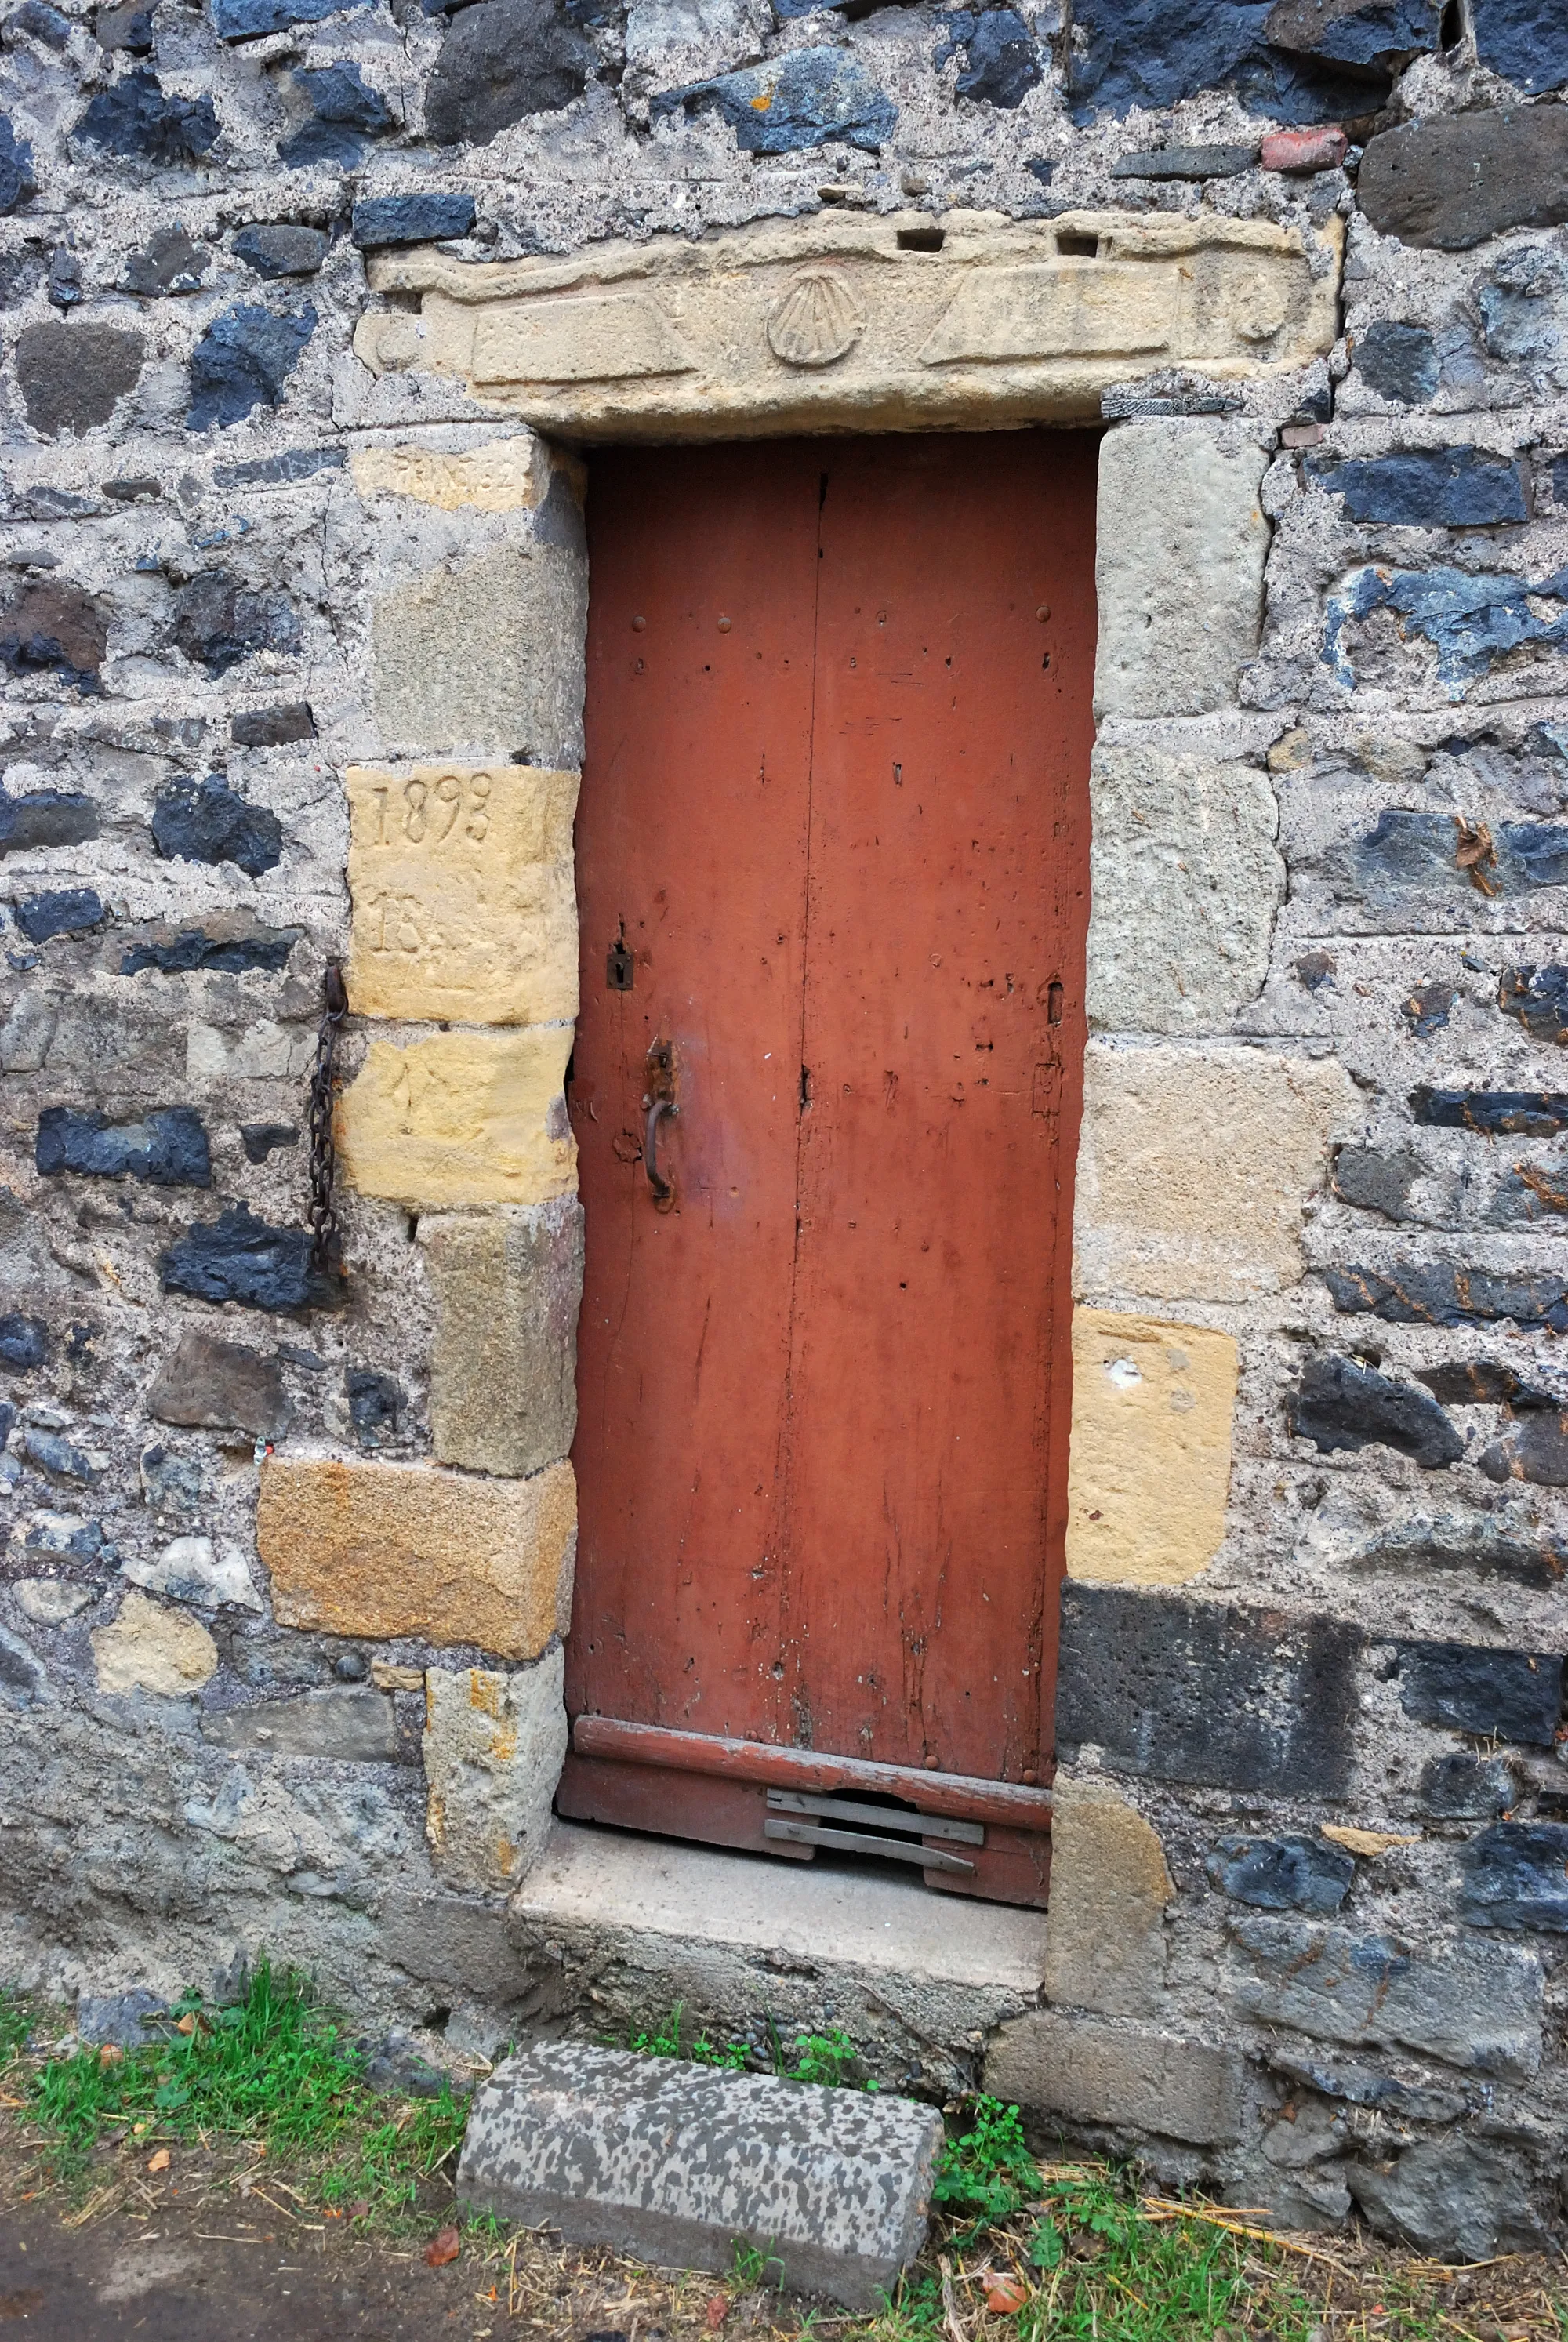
x,y
161,2161
111,2054
187,2025
443,2247
1005,2294
717,2308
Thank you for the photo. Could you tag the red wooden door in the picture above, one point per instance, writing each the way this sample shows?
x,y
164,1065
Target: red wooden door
x,y
833,834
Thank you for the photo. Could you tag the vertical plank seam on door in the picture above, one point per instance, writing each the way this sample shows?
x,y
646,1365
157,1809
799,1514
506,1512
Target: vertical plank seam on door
x,y
786,1473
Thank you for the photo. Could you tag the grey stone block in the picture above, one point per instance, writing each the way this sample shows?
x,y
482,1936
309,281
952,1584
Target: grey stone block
x,y
1451,2197
675,2165
1125,2076
355,1727
504,1392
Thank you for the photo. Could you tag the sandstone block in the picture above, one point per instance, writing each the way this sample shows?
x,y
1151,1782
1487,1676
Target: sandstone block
x,y
1195,1165
1125,2076
509,475
494,1747
149,1648
1106,1941
1149,1467
503,1393
485,655
1179,567
385,1549
464,904
1185,881
674,2164
460,1118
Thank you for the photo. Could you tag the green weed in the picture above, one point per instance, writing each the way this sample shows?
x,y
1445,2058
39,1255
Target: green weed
x,y
15,2024
986,2173
828,2057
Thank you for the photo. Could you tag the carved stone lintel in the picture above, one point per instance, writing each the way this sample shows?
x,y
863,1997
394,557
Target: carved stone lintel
x,y
852,321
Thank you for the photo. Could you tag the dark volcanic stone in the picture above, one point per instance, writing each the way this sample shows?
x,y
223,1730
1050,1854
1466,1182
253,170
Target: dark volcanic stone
x,y
273,727
238,1257
1355,32
44,23
169,263
259,1138
394,2064
374,1404
1535,1450
216,1386
219,622
1281,1874
17,184
1512,1114
1438,1294
1428,1008
1481,1382
68,911
1519,306
410,219
60,1458
59,627
1538,996
1373,1180
499,62
206,821
282,251
1465,1788
346,114
129,2019
1437,487
1452,2198
278,471
24,1341
22,1681
1476,1545
233,954
246,20
1451,181
1516,1876
167,1149
1199,1691
1144,52
1003,63
1342,1404
1185,163
243,361
1526,41
64,282
72,376
133,116
129,28
1497,1694
794,102
1399,362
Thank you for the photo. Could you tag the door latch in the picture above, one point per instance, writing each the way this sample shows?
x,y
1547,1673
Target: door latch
x,y
660,1100
620,966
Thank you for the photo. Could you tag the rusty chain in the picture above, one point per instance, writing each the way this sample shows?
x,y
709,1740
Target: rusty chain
x,y
324,1229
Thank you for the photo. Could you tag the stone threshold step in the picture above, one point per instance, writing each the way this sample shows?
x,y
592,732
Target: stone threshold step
x,y
676,2164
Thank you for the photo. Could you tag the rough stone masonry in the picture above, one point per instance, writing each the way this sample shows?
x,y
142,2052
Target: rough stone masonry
x,y
292,622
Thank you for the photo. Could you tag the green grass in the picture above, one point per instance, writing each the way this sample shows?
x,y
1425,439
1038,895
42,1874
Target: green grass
x,y
274,2068
830,2057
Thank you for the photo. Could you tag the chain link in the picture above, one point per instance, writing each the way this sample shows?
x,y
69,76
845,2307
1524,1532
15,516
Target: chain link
x,y
324,1250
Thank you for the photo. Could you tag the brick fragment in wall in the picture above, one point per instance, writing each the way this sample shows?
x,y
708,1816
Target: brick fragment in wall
x,y
1127,2077
1177,501
1496,1694
388,1549
494,1746
1341,1404
1204,1692
464,1117
484,654
1471,2003
464,899
1451,181
1106,1948
503,1379
1195,1165
1150,1458
1185,880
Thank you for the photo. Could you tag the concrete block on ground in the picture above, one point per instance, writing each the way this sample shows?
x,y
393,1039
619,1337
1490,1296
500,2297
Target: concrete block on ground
x,y
676,2165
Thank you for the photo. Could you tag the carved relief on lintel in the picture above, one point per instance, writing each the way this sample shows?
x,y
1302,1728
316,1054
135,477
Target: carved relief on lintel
x,y
855,321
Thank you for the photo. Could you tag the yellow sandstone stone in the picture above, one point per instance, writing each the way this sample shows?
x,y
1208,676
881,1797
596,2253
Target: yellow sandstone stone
x,y
1150,1463
1368,1844
464,904
511,474
1105,1947
460,1118
151,1648
385,1550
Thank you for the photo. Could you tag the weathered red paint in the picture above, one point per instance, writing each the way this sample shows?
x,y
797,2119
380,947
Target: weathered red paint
x,y
835,802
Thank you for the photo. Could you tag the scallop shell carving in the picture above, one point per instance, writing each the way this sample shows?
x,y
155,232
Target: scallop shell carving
x,y
816,319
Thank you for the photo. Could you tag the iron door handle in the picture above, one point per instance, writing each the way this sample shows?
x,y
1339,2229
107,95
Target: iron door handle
x,y
663,1189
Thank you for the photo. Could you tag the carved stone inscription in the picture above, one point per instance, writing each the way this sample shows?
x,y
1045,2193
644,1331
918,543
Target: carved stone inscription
x,y
464,901
862,322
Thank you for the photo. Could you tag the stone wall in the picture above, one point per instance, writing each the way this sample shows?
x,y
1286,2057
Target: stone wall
x,y
293,632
